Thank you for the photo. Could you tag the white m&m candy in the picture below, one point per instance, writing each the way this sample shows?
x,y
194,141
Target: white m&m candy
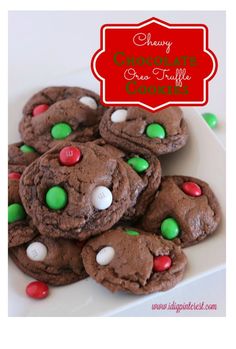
x,y
36,251
89,101
101,197
119,115
105,255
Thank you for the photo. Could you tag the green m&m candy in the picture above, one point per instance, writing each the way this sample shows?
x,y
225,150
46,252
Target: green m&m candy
x,y
16,213
27,149
169,228
61,130
155,131
138,164
56,198
211,119
132,232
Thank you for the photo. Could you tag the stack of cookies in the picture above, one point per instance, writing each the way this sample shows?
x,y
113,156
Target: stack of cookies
x,y
86,196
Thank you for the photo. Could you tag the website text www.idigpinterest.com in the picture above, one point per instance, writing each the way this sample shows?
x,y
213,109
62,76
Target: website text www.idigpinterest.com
x,y
185,306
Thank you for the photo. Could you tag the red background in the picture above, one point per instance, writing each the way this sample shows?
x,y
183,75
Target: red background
x,y
186,42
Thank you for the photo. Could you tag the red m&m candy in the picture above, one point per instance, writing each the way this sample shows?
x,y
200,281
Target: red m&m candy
x,y
161,263
41,108
37,290
14,175
192,189
70,156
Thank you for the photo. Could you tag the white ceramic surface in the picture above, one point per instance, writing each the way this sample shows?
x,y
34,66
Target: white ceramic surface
x,y
204,157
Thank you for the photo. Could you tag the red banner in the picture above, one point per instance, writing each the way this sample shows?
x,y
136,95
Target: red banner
x,y
154,64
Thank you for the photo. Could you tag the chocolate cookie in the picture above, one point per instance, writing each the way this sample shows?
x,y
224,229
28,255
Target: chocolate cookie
x,y
139,131
134,261
75,190
184,210
20,155
56,113
20,227
54,261
144,175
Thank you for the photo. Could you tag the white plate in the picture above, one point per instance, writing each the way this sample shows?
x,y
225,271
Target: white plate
x,y
203,157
